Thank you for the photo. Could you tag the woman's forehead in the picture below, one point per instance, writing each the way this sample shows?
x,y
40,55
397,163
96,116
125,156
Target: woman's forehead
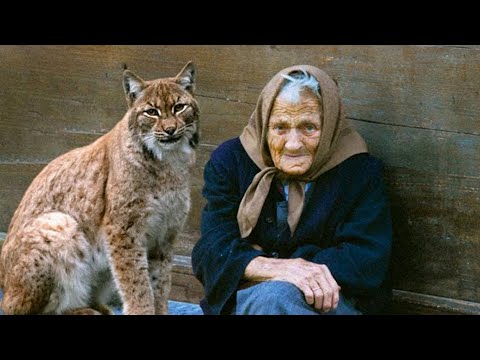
x,y
308,102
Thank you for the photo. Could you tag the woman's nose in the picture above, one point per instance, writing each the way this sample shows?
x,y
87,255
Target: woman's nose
x,y
294,140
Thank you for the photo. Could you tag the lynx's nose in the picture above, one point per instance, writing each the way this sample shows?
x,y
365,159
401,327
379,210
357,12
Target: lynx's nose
x,y
170,130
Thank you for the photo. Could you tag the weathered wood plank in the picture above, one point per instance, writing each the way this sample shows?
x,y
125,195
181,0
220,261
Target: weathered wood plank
x,y
185,287
428,87
14,180
186,241
222,119
183,290
437,227
423,150
460,46
22,145
405,302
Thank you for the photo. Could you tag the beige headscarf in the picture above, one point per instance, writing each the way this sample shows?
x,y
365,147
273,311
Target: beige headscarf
x,y
338,141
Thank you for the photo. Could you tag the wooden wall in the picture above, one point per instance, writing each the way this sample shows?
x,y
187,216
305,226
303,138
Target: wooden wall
x,y
418,107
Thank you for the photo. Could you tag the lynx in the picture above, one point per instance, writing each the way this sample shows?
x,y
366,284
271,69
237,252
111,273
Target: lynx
x,y
102,219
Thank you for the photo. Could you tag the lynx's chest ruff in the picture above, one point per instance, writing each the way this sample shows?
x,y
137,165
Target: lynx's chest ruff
x,y
167,212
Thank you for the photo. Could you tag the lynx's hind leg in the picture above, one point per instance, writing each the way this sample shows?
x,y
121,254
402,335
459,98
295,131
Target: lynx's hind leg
x,y
48,271
27,289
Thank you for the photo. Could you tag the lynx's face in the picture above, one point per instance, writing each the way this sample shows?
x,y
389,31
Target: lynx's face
x,y
163,112
166,118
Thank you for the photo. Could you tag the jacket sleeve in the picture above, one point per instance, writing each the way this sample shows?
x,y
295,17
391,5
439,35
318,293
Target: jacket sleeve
x,y
361,257
220,256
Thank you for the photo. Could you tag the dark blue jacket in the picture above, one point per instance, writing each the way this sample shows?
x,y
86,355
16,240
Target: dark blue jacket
x,y
345,224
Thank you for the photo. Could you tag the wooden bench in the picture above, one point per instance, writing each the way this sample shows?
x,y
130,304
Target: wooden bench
x,y
185,287
417,106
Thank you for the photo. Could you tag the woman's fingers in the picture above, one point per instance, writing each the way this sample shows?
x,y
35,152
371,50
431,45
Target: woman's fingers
x,y
307,292
333,293
319,296
324,294
326,290
314,280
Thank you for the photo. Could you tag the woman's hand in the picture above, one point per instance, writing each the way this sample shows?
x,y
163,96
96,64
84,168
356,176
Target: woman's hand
x,y
314,280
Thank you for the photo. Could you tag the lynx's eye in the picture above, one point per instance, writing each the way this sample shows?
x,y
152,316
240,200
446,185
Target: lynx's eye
x,y
152,112
178,108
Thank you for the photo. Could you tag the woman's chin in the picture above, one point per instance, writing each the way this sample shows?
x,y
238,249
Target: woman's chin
x,y
294,170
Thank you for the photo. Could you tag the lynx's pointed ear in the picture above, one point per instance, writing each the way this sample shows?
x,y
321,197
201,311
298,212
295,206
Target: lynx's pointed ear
x,y
186,77
132,85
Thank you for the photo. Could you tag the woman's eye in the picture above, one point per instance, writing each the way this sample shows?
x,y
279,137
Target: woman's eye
x,y
152,112
309,128
179,107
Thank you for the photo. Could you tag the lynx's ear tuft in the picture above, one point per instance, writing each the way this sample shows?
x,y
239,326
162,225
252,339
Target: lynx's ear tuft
x,y
132,85
186,77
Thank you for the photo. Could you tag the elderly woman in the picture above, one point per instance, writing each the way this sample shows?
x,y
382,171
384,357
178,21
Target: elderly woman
x,y
297,220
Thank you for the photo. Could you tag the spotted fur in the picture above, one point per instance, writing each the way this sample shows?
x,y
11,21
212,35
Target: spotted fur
x,y
103,218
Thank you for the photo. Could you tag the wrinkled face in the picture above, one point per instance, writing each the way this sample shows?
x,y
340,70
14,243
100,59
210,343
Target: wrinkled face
x,y
294,133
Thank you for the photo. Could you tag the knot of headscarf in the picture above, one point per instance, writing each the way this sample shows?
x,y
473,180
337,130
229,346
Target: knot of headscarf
x,y
338,141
